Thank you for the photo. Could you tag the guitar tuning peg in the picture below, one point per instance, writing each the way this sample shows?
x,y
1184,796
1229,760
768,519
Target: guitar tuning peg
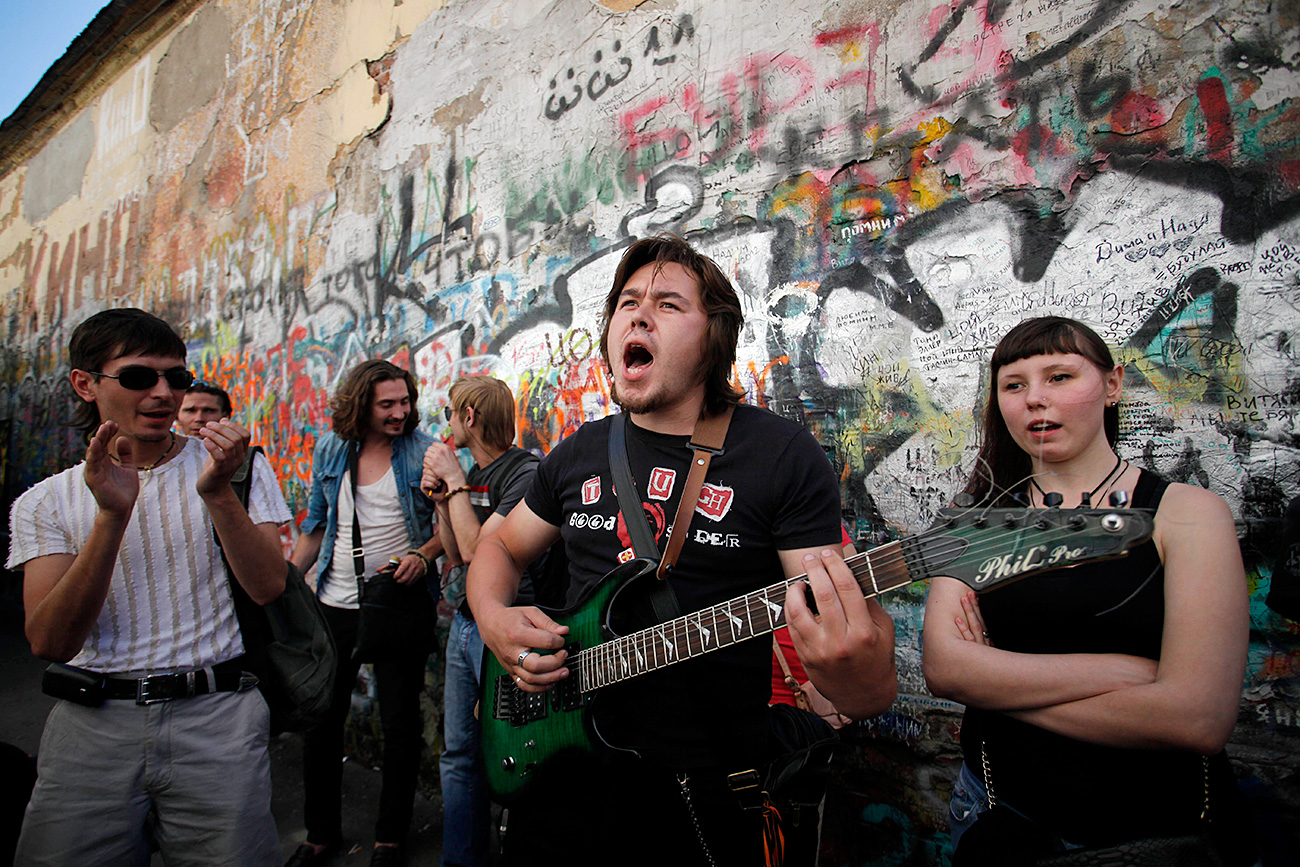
x,y
1119,499
1085,500
1052,500
964,500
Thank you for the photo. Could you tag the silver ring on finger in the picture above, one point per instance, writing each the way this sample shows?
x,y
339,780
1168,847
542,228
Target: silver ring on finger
x,y
523,656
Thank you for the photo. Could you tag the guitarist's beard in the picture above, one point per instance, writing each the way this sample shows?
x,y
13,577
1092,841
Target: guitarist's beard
x,y
664,395
647,403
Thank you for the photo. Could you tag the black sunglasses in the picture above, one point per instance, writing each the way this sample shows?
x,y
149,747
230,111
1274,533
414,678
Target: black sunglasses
x,y
137,377
446,412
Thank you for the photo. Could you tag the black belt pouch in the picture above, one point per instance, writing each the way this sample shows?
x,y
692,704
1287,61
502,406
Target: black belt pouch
x,y
74,684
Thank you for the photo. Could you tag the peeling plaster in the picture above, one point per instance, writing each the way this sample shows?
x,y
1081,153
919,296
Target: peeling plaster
x,y
54,175
462,110
193,70
357,106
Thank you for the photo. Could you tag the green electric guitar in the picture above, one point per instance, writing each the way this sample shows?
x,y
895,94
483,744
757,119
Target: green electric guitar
x,y
984,548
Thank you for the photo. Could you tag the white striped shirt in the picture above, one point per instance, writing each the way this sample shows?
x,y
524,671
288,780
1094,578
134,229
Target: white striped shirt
x,y
169,605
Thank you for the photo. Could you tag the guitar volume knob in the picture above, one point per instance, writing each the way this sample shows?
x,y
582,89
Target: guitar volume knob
x,y
508,764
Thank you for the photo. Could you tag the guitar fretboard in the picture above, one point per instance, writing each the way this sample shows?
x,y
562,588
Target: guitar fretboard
x,y
757,613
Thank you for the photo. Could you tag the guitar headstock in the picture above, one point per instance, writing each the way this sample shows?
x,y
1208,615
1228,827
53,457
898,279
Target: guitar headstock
x,y
986,548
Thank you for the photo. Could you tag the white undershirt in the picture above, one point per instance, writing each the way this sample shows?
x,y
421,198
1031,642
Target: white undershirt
x,y
383,534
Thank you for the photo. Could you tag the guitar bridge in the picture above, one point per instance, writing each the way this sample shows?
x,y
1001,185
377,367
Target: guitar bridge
x,y
515,706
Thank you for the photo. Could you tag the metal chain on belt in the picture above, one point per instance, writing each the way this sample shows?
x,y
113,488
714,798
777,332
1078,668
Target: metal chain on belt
x,y
685,783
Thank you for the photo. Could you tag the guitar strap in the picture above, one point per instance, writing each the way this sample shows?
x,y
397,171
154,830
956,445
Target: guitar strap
x,y
800,697
643,541
706,441
662,599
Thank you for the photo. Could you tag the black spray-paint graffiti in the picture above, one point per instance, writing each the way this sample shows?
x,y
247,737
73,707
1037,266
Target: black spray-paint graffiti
x,y
566,91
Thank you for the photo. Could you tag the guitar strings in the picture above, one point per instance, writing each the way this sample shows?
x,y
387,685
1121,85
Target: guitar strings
x,y
641,642
890,558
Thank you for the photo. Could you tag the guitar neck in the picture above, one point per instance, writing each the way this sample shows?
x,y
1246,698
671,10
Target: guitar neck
x,y
984,548
757,613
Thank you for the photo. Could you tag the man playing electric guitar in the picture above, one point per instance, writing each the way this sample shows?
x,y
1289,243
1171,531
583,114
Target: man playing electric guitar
x,y
769,509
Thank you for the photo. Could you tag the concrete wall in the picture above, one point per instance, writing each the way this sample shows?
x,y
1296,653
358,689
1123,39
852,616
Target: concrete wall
x,y
892,184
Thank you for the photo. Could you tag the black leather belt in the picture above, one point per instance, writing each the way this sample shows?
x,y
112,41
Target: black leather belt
x,y
226,676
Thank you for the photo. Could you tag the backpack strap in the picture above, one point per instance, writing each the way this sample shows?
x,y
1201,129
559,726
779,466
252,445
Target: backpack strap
x,y
512,461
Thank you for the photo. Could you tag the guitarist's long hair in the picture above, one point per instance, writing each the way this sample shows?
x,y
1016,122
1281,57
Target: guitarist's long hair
x,y
717,297
1002,467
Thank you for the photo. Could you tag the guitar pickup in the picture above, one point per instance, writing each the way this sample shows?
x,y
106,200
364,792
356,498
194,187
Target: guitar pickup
x,y
567,695
518,708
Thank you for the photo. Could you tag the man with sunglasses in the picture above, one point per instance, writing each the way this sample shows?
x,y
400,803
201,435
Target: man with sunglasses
x,y
161,739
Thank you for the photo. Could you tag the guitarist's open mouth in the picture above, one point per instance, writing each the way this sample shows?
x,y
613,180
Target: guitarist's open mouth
x,y
636,360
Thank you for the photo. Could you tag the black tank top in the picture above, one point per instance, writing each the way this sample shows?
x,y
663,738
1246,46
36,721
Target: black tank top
x,y
1082,792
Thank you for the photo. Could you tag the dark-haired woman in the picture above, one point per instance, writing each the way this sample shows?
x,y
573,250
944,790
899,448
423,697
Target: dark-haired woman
x,y
1099,698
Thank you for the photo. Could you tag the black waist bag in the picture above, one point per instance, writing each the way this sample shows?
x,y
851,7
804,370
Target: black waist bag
x,y
805,744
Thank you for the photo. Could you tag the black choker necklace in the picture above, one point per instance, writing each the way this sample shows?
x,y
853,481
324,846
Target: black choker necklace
x,y
170,445
1086,499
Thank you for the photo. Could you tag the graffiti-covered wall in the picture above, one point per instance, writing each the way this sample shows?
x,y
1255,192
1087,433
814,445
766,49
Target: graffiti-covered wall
x,y
892,184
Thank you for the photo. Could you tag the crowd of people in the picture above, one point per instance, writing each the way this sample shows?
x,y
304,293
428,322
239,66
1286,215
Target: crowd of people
x,y
1098,702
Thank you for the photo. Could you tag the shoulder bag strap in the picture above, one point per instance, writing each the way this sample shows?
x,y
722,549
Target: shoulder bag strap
x,y
358,552
707,440
242,480
245,607
800,698
511,462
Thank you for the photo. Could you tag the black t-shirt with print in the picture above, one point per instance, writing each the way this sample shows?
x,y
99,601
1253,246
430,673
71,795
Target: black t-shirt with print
x,y
771,489
481,481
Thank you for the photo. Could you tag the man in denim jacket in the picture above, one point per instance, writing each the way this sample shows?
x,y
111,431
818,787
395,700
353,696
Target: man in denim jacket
x,y
375,418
